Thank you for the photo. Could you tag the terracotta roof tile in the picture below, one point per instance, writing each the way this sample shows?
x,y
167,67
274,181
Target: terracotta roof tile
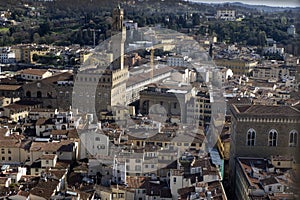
x,y
10,87
136,182
267,110
64,145
45,189
48,156
38,72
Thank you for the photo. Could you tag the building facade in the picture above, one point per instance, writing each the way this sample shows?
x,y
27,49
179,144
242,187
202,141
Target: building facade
x,y
264,131
101,88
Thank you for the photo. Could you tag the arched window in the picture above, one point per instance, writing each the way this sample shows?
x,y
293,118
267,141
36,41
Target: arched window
x,y
272,140
28,94
293,138
251,135
38,94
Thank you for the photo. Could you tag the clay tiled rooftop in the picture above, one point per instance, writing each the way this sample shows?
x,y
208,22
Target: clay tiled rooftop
x,y
42,121
9,143
48,156
145,76
23,193
264,110
185,192
66,146
59,77
69,133
10,87
269,181
136,182
57,174
37,72
45,189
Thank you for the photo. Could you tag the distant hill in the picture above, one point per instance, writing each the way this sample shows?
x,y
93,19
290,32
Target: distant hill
x,y
263,8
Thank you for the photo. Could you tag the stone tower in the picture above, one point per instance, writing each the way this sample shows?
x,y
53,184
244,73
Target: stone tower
x,y
118,38
103,89
112,84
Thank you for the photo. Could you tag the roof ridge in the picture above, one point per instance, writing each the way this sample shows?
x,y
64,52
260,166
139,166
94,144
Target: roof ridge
x,y
292,107
250,106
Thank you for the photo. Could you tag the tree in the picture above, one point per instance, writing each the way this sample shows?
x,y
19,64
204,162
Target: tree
x,y
196,19
262,38
44,28
35,57
36,38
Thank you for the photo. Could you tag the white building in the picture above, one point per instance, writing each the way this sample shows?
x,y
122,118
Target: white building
x,y
35,74
177,61
95,144
130,25
225,74
226,14
291,30
6,55
274,49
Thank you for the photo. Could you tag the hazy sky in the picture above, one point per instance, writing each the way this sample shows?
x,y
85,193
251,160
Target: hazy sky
x,y
282,3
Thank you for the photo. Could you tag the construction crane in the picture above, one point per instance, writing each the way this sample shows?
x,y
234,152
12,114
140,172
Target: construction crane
x,y
94,35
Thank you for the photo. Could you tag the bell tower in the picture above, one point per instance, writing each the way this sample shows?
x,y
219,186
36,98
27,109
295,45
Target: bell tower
x,y
112,84
118,38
